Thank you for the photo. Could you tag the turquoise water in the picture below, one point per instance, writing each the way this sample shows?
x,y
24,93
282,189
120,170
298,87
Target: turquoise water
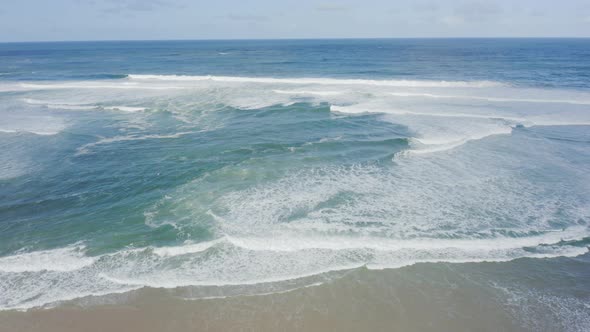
x,y
168,164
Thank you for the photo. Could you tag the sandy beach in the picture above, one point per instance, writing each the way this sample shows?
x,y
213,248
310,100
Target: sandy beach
x,y
424,297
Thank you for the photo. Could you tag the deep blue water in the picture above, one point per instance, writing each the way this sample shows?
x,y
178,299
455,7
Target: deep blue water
x,y
206,163
532,62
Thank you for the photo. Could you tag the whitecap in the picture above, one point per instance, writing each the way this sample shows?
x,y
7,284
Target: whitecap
x,y
320,81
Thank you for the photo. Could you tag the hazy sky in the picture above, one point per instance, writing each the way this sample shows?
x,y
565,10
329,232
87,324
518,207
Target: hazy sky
x,y
26,20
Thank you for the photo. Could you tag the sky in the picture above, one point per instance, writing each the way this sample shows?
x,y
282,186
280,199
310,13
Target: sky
x,y
65,20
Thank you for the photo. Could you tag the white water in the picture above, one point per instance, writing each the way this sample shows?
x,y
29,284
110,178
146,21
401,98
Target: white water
x,y
442,202
38,278
475,109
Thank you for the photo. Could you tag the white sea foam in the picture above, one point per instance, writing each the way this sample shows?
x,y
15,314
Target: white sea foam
x,y
358,96
299,242
306,92
80,106
31,122
96,85
436,132
36,132
440,207
108,140
125,108
495,99
430,145
58,105
189,248
359,109
320,81
560,312
61,260
289,243
239,261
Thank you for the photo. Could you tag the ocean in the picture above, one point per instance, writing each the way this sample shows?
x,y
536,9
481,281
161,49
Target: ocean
x,y
397,184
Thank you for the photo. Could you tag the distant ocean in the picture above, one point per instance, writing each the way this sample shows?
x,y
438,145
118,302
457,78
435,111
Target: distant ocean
x,y
230,168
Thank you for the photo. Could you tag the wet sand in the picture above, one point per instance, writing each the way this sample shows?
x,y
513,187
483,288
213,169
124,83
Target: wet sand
x,y
423,297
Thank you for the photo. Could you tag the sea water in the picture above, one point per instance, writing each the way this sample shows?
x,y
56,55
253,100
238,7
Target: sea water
x,y
245,163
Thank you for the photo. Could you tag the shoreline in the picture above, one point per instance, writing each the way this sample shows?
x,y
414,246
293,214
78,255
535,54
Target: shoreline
x,y
421,297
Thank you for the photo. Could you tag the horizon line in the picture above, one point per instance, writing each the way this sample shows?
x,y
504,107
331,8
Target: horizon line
x,y
283,39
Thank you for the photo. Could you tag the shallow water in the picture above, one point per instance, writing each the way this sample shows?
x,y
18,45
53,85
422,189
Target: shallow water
x,y
258,167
